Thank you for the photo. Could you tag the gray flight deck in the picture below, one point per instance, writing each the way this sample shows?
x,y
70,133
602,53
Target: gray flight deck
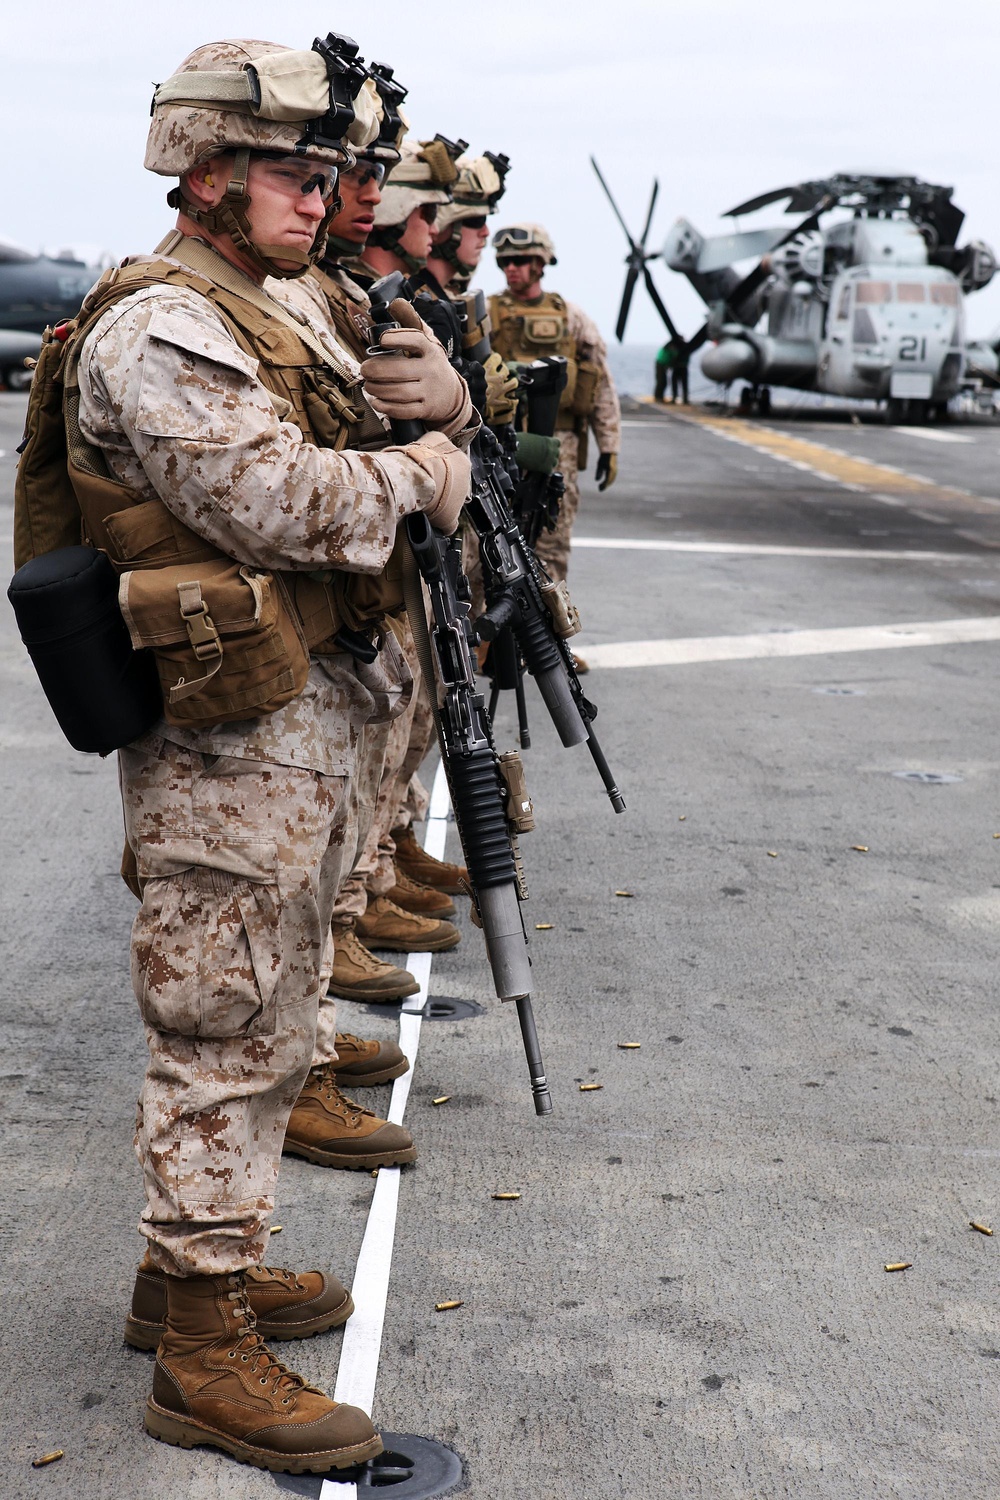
x,y
688,1299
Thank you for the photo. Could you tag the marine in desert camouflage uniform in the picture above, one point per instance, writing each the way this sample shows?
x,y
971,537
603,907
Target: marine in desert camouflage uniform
x,y
379,900
529,322
243,831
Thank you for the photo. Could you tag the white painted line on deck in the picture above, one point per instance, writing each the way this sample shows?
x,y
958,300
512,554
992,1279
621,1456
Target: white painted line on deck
x,y
754,549
674,653
933,437
359,1356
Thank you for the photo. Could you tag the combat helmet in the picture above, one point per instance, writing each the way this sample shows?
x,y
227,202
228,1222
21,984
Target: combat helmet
x,y
255,97
524,239
476,192
393,124
382,153
424,175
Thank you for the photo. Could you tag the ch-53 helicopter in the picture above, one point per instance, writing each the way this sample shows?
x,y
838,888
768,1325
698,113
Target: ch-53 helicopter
x,y
870,306
35,290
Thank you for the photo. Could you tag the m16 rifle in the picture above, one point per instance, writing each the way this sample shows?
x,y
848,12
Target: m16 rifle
x,y
528,618
487,791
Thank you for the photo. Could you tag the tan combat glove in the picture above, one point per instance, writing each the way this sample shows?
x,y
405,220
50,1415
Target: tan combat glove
x,y
416,379
501,392
450,471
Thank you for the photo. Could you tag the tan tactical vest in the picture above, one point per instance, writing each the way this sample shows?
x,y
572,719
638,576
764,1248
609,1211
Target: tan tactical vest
x,y
350,318
231,641
526,331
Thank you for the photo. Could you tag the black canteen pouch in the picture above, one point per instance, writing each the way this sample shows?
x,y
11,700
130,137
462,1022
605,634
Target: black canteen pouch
x,y
102,692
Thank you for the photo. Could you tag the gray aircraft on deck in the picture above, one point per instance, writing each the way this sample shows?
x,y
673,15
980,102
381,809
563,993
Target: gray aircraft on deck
x,y
35,290
868,306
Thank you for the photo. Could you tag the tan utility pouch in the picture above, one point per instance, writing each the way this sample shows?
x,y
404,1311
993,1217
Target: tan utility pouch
x,y
585,390
225,644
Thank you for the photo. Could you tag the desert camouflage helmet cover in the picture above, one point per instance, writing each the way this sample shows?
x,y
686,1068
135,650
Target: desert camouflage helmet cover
x,y
524,239
477,190
424,174
252,94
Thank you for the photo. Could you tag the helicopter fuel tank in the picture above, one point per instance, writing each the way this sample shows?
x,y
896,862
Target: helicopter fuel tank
x,y
744,354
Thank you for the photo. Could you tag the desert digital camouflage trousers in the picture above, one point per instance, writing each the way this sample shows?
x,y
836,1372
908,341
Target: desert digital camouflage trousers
x,y
240,863
412,799
554,546
400,797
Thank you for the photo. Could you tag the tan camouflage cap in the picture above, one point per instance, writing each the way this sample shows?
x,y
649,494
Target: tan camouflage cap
x,y
524,239
251,94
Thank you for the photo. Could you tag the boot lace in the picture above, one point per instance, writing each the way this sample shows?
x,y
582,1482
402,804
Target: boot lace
x,y
249,1348
327,1082
351,944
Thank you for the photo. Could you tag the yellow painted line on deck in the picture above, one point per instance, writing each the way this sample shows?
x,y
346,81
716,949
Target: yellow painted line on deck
x,y
854,473
883,481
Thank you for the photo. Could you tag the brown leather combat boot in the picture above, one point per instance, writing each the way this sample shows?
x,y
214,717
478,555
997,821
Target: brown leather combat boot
x,y
412,860
364,1064
386,925
216,1383
327,1128
359,975
285,1305
422,899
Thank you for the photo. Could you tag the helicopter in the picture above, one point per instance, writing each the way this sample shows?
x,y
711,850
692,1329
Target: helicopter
x,y
871,306
35,290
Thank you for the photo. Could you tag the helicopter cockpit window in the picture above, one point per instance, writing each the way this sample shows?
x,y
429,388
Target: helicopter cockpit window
x,y
864,328
944,293
874,291
844,305
910,291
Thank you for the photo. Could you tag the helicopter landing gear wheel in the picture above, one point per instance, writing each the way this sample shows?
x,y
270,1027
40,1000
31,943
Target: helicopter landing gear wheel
x,y
755,400
901,411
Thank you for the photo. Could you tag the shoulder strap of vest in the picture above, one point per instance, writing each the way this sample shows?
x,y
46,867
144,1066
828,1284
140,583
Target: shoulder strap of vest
x,y
203,259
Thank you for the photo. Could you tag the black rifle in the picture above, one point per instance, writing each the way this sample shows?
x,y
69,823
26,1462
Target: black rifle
x,y
538,611
528,618
540,488
465,734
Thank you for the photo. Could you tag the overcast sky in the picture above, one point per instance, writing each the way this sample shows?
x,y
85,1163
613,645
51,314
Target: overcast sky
x,y
718,98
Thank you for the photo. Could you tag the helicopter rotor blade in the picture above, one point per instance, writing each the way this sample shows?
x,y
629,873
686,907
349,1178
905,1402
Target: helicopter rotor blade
x,y
649,215
630,281
813,191
614,205
658,303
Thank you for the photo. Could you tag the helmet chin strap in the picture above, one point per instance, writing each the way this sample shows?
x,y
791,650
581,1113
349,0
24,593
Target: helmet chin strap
x,y
389,237
229,216
338,249
448,249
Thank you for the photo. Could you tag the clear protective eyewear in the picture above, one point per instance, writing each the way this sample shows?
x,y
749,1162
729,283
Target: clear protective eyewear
x,y
297,178
364,172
